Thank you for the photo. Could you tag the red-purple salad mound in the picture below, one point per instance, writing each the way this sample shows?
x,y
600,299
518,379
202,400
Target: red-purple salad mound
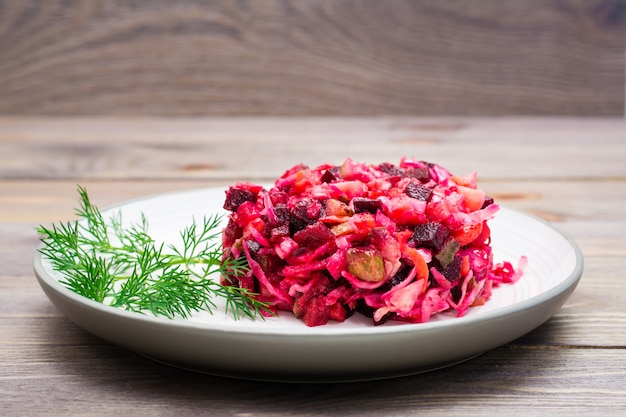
x,y
392,242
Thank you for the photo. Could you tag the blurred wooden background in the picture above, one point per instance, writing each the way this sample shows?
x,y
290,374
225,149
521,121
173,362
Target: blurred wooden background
x,y
300,58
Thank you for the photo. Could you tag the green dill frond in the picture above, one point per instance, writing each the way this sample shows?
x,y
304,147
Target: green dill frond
x,y
123,266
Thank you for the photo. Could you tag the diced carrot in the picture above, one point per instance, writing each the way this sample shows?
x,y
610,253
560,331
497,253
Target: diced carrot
x,y
479,301
413,255
302,182
363,222
465,266
473,198
468,234
467,181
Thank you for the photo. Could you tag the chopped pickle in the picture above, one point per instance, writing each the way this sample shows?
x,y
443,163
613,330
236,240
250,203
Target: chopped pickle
x,y
366,264
446,255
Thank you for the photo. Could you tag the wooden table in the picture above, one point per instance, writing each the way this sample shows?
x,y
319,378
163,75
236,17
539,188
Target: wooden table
x,y
571,172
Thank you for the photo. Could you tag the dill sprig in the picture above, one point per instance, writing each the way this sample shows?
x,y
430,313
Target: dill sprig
x,y
124,267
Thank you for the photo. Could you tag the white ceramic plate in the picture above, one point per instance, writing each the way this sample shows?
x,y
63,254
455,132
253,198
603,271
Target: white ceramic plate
x,y
284,349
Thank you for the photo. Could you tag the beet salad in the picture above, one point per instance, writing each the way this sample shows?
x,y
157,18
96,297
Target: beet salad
x,y
392,242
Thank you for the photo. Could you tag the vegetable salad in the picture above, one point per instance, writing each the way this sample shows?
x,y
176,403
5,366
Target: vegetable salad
x,y
391,241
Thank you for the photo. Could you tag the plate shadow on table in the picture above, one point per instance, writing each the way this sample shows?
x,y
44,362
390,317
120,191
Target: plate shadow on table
x,y
122,375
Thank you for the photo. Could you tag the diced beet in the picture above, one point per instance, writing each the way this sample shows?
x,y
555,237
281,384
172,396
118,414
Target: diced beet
x,y
390,169
272,265
362,204
231,232
313,235
452,271
418,191
247,212
313,311
316,210
331,174
338,312
304,210
456,293
363,308
253,246
295,224
278,196
280,218
235,197
488,202
420,173
368,311
282,214
431,235
311,306
400,276
279,232
298,217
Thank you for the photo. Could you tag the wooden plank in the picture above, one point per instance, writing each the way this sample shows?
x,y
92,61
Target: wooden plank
x,y
554,201
98,379
218,149
349,57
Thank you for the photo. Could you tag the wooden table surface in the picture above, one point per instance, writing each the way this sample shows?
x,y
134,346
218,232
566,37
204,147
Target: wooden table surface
x,y
571,172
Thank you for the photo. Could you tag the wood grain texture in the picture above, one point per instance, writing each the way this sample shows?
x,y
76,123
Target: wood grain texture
x,y
202,148
568,172
348,57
